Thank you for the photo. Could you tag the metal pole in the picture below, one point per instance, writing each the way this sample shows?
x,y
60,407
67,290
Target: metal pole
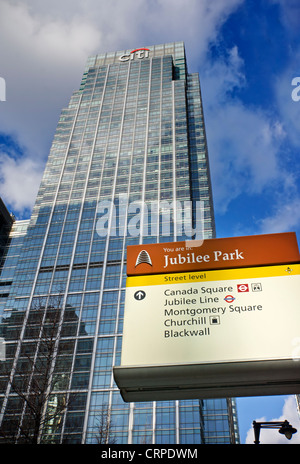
x,y
257,427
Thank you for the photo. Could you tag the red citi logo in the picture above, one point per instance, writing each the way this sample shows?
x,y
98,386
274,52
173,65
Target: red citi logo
x,y
139,53
243,288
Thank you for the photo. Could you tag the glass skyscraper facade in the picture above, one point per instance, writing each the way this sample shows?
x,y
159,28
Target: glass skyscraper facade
x,y
134,132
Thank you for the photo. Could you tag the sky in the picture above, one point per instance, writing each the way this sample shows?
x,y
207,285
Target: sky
x,y
247,53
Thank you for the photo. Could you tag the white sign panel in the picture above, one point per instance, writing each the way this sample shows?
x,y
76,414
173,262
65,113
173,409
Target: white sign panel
x,y
213,317
186,320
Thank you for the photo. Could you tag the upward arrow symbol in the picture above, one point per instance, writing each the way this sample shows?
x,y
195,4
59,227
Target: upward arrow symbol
x,y
139,295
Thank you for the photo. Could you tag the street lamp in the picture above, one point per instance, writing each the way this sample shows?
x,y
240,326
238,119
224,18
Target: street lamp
x,y
284,427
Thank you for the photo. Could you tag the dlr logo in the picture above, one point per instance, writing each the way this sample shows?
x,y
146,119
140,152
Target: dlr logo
x,y
2,89
296,90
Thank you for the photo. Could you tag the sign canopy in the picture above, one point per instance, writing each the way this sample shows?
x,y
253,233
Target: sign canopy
x,y
211,333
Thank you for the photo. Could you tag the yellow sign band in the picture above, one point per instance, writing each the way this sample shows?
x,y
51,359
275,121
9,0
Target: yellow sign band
x,y
209,276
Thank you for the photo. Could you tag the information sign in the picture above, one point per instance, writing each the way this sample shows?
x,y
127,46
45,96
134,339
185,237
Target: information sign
x,y
231,332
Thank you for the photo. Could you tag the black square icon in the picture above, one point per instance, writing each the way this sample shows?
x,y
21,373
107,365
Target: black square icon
x,y
214,320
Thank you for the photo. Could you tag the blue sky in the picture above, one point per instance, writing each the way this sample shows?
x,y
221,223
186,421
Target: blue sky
x,y
247,53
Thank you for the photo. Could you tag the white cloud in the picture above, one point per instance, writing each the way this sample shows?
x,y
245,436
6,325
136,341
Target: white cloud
x,y
47,44
290,13
41,63
271,436
284,217
288,109
20,178
122,23
243,141
45,53
251,149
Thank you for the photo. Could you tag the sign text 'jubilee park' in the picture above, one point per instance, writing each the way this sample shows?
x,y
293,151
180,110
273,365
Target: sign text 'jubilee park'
x,y
205,320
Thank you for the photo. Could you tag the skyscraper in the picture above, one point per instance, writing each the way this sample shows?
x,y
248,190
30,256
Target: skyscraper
x,y
132,136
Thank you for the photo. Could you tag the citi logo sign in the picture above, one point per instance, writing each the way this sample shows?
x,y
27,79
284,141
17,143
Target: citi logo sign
x,y
139,53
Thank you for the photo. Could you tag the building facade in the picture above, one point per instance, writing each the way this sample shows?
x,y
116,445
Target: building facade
x,y
131,141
